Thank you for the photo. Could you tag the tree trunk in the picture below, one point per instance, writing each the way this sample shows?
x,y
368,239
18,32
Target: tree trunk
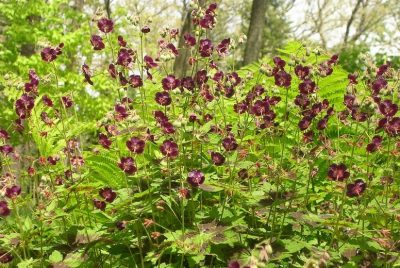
x,y
181,61
254,42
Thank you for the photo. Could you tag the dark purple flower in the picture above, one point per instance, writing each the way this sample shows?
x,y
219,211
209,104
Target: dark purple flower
x,y
240,107
163,98
127,164
97,42
173,49
167,127
67,101
282,79
108,194
356,188
105,25
4,210
305,123
4,134
188,83
302,101
392,127
205,48
122,79
375,144
149,62
223,47
234,264
24,105
308,136
338,172
190,40
13,191
34,82
145,29
382,69
53,160
349,101
169,148
87,73
233,78
6,149
49,54
170,82
135,145
160,116
207,22
201,77
323,123
112,71
5,257
307,87
121,41
358,115
104,141
352,79
99,204
229,143
302,72
217,158
121,112
121,225
135,81
195,178
379,84
388,108
279,62
125,57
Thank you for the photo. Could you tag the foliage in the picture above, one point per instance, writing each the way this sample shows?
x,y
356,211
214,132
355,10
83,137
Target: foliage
x,y
288,162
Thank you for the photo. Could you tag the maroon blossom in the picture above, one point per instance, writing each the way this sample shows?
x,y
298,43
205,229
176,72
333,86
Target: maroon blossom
x,y
201,77
170,149
375,144
67,101
97,42
5,257
163,98
49,54
382,69
353,79
338,172
190,40
302,72
135,81
121,41
349,101
207,22
87,73
282,79
279,63
4,210
378,84
24,105
128,165
195,178
99,204
112,71
135,145
149,62
104,141
173,49
105,25
305,123
217,158
145,29
4,134
121,112
108,194
229,143
356,189
170,82
223,47
13,191
388,108
125,57
34,82
188,83
6,149
308,136
307,87
205,48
